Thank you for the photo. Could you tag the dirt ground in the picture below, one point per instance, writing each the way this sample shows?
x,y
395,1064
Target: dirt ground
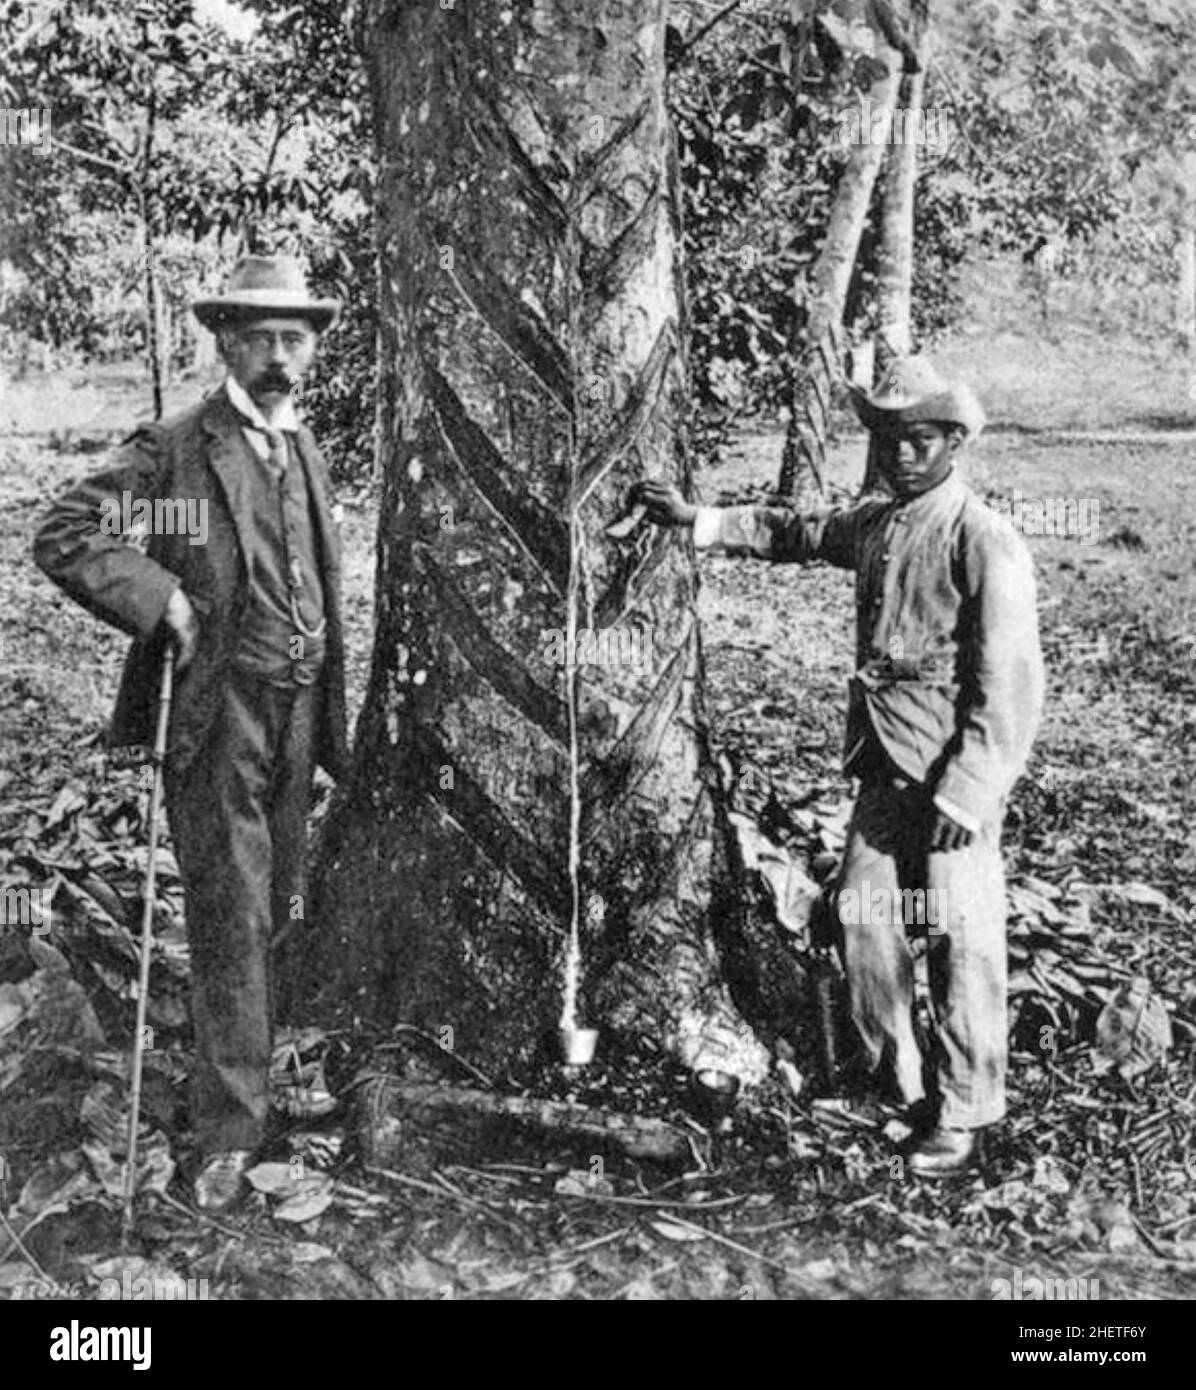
x,y
784,1200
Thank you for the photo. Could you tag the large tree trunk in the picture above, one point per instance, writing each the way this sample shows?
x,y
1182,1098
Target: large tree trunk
x,y
803,464
503,798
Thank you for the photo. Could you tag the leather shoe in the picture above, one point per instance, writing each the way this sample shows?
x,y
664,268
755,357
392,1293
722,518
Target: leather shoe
x,y
304,1095
943,1152
221,1180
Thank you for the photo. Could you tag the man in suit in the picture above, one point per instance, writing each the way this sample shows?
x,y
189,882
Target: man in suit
x,y
943,708
249,598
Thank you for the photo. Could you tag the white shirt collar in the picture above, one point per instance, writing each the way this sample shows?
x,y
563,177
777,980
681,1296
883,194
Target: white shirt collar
x,y
243,402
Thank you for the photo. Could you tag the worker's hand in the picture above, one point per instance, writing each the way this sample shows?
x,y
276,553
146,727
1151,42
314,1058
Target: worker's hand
x,y
947,834
184,625
663,504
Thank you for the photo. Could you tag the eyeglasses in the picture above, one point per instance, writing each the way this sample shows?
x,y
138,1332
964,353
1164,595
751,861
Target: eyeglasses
x,y
261,340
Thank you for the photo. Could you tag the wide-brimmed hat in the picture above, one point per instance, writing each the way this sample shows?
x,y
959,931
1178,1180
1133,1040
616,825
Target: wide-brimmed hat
x,y
911,390
263,287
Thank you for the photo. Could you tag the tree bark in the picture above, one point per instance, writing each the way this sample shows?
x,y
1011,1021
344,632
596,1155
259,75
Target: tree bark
x,y
1185,256
147,200
153,324
895,247
504,797
895,244
394,1115
803,465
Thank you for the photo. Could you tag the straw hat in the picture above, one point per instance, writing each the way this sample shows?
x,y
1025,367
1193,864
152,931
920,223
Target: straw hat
x,y
911,390
265,287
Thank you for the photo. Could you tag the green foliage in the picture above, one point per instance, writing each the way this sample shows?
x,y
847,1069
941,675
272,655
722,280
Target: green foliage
x,y
340,401
1062,120
753,106
179,145
1067,116
1068,123
302,73
121,84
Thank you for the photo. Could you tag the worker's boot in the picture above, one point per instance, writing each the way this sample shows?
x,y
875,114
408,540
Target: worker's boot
x,y
943,1152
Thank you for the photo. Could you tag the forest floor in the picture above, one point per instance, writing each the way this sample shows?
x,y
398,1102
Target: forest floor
x,y
1092,1176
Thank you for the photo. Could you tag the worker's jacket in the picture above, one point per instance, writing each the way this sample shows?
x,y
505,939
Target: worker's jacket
x,y
949,672
201,456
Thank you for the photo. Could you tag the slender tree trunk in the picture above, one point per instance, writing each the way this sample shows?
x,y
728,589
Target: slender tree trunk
x,y
153,319
1185,256
504,796
895,246
147,203
895,243
803,464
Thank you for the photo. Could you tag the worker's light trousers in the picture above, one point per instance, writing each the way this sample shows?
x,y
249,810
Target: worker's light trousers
x,y
889,880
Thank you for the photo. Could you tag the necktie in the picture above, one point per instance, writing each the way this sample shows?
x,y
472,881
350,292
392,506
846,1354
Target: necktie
x,y
278,452
278,462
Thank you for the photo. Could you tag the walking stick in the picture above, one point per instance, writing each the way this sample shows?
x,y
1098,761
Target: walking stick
x,y
147,941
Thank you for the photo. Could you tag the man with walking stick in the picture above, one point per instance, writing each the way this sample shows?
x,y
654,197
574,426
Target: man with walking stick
x,y
240,579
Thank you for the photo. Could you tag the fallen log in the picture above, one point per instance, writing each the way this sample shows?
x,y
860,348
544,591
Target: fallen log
x,y
399,1120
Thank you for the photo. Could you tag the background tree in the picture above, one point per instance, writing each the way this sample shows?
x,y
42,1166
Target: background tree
x,y
118,83
177,145
894,246
775,197
823,294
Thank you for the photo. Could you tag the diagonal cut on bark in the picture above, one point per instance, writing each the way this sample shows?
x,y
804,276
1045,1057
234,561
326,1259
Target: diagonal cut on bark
x,y
503,794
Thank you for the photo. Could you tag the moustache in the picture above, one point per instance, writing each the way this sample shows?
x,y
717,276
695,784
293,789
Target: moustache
x,y
276,381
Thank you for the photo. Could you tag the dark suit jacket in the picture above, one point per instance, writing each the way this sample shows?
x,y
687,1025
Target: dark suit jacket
x,y
201,455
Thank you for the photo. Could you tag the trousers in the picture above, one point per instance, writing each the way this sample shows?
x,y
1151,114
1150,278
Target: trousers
x,y
958,899
239,820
